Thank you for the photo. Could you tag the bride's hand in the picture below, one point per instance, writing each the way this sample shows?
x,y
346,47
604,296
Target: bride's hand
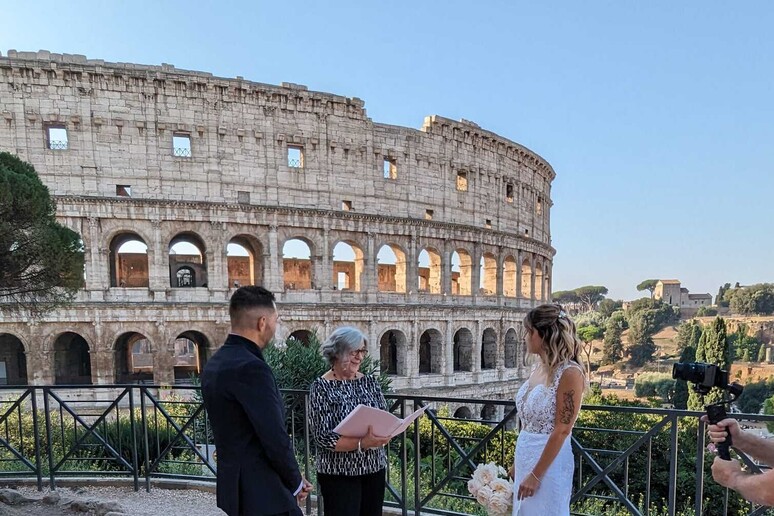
x,y
528,486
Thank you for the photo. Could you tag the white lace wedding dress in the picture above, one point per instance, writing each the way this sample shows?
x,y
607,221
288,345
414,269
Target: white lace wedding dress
x,y
536,406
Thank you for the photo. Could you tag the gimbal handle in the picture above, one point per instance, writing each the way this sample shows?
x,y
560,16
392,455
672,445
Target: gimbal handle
x,y
715,414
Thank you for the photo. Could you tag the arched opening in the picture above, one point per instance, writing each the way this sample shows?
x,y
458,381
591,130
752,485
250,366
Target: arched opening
x,y
489,349
509,277
391,269
392,353
128,261
462,273
511,348
463,413
133,359
526,279
429,271
347,266
187,261
297,265
244,261
13,360
430,350
488,278
489,413
302,336
72,362
463,350
190,355
539,295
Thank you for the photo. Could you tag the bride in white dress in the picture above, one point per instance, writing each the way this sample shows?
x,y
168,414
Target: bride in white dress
x,y
547,405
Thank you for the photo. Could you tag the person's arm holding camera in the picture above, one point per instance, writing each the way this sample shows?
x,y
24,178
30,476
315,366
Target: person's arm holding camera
x,y
755,488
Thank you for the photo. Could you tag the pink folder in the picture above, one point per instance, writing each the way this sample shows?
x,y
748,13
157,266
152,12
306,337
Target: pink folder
x,y
384,424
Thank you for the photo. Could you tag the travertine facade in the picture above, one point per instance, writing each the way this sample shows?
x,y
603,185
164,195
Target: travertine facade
x,y
157,156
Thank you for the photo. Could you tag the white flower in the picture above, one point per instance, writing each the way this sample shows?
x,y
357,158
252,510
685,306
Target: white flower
x,y
483,496
501,471
474,485
502,486
487,473
499,503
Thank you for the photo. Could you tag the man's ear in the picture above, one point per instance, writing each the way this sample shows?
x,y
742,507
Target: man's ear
x,y
261,323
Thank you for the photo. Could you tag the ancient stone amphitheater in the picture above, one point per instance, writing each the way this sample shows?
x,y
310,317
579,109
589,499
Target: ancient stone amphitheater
x,y
434,242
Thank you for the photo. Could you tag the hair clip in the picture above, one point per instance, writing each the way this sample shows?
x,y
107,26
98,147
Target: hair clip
x,y
562,314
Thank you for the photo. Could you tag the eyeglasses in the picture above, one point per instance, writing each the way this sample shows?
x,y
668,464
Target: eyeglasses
x,y
362,352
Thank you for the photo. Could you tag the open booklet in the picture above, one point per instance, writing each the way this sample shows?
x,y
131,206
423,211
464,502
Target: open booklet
x,y
384,424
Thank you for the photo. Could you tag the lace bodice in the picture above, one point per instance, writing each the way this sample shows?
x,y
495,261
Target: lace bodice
x,y
536,405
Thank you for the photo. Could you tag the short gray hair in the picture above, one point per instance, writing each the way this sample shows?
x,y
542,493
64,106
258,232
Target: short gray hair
x,y
341,342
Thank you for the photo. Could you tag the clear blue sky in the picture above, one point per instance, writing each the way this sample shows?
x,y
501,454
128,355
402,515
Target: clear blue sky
x,y
658,116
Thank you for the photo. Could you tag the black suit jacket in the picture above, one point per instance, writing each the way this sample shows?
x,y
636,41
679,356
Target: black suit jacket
x,y
257,471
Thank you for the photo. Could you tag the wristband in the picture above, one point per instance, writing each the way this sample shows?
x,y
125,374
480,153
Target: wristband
x,y
536,477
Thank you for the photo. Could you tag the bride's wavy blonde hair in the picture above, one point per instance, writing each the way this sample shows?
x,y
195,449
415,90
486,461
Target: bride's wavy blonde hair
x,y
559,336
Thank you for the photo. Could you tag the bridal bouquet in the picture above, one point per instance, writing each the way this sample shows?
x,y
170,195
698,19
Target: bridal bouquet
x,y
492,488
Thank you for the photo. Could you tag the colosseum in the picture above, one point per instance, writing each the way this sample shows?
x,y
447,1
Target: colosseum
x,y
433,241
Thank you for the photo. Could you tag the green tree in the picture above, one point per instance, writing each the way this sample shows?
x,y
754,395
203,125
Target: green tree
x,y
762,353
713,349
612,345
41,261
688,334
720,299
768,408
588,334
755,299
565,297
649,285
606,307
590,295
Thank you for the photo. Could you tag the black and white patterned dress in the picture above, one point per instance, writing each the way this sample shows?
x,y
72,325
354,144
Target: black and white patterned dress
x,y
330,402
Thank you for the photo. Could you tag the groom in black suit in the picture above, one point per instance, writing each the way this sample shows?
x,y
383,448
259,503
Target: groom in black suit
x,y
257,471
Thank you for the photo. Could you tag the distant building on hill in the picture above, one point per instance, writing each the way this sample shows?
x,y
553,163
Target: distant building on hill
x,y
669,291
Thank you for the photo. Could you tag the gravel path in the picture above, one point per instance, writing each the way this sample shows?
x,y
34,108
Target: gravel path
x,y
164,502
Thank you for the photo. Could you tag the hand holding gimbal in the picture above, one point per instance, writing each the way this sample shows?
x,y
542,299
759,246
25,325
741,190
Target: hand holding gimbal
x,y
704,377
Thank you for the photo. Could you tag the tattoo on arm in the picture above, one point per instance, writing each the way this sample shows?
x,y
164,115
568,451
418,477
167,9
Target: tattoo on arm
x,y
568,407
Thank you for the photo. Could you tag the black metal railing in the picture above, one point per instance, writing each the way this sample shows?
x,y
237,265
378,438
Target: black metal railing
x,y
629,460
57,144
182,152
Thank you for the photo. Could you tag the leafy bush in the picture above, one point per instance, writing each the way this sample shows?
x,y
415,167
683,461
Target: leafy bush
x,y
650,385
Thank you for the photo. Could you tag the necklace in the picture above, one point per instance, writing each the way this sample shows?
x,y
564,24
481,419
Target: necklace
x,y
335,376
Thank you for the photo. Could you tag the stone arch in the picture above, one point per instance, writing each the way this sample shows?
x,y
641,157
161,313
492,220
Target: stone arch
x,y
488,276
430,352
128,260
348,263
463,412
302,336
109,235
489,349
244,261
489,413
134,358
511,348
509,277
526,279
429,270
13,360
187,261
189,353
462,272
391,268
463,350
392,352
72,360
539,295
298,264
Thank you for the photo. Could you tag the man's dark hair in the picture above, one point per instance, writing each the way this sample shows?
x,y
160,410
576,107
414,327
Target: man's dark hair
x,y
249,297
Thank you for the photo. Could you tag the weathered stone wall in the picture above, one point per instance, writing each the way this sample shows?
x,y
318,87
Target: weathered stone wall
x,y
119,177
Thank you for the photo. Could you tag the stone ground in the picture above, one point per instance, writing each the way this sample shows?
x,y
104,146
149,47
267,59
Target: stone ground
x,y
164,502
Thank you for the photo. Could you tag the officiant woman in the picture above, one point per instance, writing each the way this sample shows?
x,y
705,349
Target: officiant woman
x,y
350,470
